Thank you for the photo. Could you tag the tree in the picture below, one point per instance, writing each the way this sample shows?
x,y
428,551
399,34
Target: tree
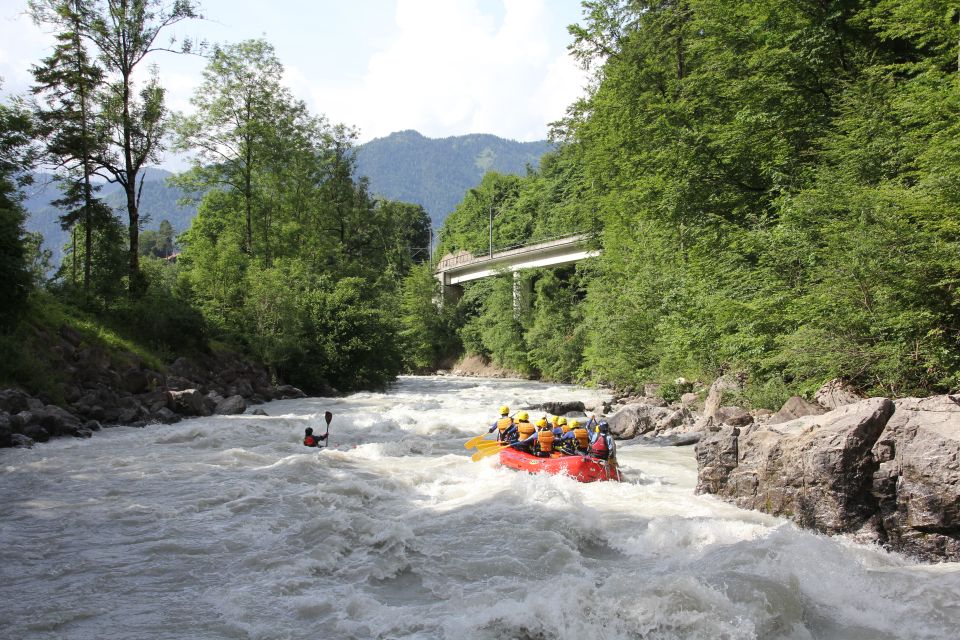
x,y
68,81
241,112
16,160
125,33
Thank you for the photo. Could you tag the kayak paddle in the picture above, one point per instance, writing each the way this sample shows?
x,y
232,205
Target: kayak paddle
x,y
487,452
473,442
328,417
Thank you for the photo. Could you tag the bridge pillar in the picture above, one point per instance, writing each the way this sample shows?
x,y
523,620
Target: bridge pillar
x,y
522,292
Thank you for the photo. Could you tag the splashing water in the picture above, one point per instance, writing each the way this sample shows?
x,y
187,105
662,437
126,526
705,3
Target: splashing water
x,y
227,527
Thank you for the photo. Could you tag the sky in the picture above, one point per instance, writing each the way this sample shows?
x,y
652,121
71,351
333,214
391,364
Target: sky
x,y
442,67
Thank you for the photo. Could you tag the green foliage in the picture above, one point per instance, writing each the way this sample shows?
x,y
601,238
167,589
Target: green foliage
x,y
426,331
775,187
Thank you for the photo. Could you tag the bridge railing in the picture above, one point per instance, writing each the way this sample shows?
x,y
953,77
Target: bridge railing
x,y
468,255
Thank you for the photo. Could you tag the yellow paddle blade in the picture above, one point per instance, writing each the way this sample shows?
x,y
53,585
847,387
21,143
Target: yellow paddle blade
x,y
486,453
486,444
472,442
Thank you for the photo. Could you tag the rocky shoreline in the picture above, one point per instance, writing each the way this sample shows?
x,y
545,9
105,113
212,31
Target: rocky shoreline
x,y
882,471
101,390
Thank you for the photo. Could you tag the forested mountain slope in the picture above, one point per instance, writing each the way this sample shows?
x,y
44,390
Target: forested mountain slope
x,y
435,173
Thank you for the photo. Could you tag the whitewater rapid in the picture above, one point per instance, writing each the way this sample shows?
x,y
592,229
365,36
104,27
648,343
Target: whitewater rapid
x,y
227,527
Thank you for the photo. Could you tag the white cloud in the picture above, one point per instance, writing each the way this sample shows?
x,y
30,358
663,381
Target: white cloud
x,y
453,69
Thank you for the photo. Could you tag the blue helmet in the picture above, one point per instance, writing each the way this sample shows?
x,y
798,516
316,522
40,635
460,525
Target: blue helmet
x,y
603,426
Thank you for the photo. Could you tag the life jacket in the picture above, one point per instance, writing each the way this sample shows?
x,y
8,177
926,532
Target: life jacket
x,y
503,424
545,440
599,448
310,441
583,438
525,429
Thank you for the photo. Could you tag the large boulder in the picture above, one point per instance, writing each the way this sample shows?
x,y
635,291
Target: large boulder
x,y
13,401
133,380
917,485
796,407
836,393
720,390
231,406
817,470
641,418
189,402
560,408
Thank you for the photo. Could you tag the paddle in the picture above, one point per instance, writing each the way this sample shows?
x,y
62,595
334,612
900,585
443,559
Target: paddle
x,y
474,442
487,452
328,417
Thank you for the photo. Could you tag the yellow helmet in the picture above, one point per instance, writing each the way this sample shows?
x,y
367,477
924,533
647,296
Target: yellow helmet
x,y
555,420
523,416
504,410
562,421
574,424
542,422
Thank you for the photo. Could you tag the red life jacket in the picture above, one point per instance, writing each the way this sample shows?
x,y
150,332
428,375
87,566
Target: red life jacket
x,y
599,448
310,441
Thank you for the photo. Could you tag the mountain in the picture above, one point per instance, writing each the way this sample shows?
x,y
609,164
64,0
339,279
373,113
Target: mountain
x,y
158,202
435,173
406,166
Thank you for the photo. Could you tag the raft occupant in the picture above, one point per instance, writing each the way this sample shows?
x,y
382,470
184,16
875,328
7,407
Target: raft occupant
x,y
579,437
525,434
503,426
543,446
604,448
310,440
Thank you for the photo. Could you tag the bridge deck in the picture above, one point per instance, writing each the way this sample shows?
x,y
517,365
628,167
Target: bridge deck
x,y
464,267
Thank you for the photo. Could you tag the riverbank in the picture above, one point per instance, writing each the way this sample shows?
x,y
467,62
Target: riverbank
x,y
85,377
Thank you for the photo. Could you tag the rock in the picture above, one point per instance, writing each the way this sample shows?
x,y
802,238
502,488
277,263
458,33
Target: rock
x,y
816,470
917,485
637,419
558,408
796,407
13,401
242,388
735,416
165,416
835,394
35,404
20,440
133,380
652,389
259,412
189,402
186,368
286,391
57,421
153,401
178,383
35,433
91,425
723,385
689,400
6,429
231,406
600,407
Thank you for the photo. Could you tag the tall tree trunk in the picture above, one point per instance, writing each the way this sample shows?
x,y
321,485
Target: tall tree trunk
x,y
85,152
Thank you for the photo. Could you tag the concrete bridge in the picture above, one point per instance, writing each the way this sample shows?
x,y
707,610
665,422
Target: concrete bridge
x,y
455,269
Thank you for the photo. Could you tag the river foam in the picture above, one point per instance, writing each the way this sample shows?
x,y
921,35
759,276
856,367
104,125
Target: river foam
x,y
226,527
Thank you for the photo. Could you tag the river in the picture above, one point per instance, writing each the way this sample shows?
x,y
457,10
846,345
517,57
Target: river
x,y
227,527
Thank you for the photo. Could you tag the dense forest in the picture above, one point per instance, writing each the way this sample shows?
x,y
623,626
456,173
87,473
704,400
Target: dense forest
x,y
773,186
289,259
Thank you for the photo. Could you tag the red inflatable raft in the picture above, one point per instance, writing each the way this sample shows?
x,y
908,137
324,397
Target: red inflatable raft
x,y
581,468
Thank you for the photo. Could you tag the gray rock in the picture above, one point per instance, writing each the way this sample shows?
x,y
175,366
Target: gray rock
x,y
286,391
92,425
734,416
36,433
179,383
189,402
13,401
6,429
835,394
133,380
724,385
917,485
231,406
637,419
35,404
796,407
690,400
22,441
165,416
259,412
816,470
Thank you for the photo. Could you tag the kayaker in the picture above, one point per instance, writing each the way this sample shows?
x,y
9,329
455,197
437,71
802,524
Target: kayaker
x,y
526,432
310,440
503,425
543,446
